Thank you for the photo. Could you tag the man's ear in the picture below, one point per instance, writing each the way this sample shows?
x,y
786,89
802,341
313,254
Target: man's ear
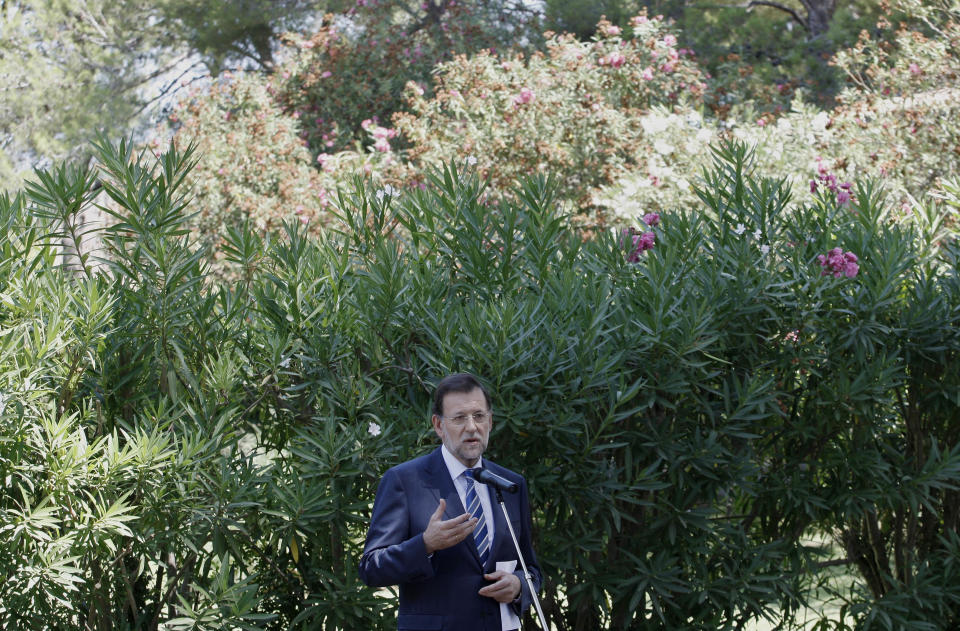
x,y
435,420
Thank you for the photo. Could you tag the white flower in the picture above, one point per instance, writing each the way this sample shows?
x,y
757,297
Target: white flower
x,y
757,233
662,147
765,249
386,191
285,363
3,402
740,229
373,429
820,121
471,160
654,124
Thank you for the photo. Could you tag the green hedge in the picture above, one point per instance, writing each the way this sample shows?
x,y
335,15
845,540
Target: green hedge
x,y
180,453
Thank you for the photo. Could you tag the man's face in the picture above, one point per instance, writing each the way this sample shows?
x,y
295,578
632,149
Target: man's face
x,y
467,440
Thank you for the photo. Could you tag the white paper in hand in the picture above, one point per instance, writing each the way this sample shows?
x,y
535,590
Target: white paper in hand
x,y
508,619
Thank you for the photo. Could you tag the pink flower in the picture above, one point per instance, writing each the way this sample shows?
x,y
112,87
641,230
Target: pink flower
x,y
647,74
616,60
638,20
326,74
792,336
525,96
383,132
669,40
652,219
382,145
843,197
761,122
813,186
914,69
646,241
838,263
612,31
637,242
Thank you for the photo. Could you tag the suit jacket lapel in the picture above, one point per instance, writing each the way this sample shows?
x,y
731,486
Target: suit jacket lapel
x,y
442,486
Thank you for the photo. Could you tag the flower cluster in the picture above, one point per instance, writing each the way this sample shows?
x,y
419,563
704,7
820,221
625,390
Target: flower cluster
x,y
525,96
839,263
636,242
569,110
614,60
381,135
829,180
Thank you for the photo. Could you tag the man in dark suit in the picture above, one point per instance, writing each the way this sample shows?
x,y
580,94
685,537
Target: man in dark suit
x,y
442,537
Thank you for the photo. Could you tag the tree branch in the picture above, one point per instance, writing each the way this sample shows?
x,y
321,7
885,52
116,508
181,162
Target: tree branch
x,y
165,90
777,5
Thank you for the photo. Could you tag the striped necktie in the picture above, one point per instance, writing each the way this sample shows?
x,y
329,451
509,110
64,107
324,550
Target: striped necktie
x,y
476,510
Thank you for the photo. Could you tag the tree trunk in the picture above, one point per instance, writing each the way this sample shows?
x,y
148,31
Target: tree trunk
x,y
819,14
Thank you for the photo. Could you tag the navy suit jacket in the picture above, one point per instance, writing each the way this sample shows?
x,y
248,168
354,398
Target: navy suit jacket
x,y
440,592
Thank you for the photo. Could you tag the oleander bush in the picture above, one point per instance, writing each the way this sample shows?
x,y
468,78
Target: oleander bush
x,y
255,168
625,121
892,122
692,401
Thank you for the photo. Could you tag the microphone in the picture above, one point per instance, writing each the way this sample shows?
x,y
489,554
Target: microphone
x,y
494,480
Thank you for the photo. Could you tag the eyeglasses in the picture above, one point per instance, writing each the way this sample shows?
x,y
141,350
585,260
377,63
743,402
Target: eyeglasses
x,y
480,418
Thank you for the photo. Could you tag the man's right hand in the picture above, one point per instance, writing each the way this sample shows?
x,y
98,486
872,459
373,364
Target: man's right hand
x,y
442,534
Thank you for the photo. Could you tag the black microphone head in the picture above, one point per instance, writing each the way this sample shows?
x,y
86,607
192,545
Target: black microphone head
x,y
486,476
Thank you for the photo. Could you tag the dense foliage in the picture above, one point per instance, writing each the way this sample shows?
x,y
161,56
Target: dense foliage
x,y
688,406
625,121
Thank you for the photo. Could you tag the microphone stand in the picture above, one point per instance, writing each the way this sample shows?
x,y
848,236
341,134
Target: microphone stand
x,y
523,564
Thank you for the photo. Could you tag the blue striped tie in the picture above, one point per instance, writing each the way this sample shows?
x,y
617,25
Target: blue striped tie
x,y
476,510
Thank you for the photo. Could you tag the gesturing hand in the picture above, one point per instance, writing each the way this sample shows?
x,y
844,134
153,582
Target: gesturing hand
x,y
441,534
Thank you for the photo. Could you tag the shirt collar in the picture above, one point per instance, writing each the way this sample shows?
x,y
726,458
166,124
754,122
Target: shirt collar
x,y
454,466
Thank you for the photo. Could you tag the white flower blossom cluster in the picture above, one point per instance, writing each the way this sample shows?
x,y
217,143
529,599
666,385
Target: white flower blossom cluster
x,y
386,191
